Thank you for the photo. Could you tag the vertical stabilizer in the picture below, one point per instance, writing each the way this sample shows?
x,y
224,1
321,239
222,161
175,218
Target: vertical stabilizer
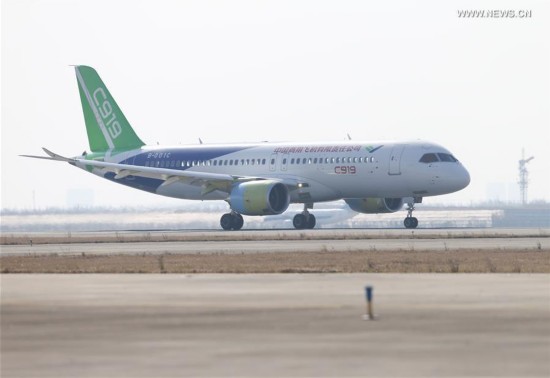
x,y
107,127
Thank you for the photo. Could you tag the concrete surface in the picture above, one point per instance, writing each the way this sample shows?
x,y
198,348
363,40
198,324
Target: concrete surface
x,y
138,242
255,246
280,234
275,325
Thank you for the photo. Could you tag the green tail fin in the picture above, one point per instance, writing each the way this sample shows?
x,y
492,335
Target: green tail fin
x,y
106,125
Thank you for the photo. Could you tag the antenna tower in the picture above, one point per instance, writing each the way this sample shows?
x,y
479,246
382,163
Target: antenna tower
x,y
523,176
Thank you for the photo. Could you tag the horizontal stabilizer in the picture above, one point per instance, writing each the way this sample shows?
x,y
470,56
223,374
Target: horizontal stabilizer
x,y
51,156
56,156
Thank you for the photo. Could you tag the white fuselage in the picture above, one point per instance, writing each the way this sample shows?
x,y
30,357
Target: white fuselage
x,y
328,171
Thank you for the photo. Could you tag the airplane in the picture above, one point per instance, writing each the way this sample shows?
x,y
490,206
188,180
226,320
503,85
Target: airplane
x,y
263,179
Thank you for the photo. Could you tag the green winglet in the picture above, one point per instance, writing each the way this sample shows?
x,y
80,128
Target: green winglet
x,y
107,127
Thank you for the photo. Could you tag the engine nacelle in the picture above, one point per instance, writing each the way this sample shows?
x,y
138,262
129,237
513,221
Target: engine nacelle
x,y
260,198
375,205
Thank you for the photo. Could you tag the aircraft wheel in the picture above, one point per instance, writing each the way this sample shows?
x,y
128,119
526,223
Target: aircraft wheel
x,y
226,221
299,221
410,222
311,221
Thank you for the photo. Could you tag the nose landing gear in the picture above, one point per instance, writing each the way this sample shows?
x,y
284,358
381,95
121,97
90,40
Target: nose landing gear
x,y
410,221
232,221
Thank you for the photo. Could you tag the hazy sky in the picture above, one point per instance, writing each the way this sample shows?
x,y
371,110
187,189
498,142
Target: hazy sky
x,y
232,71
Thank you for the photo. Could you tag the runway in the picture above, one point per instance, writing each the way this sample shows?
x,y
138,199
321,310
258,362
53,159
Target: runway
x,y
275,325
213,242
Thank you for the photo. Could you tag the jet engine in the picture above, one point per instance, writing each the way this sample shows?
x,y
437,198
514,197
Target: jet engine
x,y
375,205
265,197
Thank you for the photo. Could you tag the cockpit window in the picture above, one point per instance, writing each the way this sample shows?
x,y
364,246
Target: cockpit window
x,y
429,158
447,157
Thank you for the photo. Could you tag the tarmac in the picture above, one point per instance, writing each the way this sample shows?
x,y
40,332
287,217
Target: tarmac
x,y
435,325
208,242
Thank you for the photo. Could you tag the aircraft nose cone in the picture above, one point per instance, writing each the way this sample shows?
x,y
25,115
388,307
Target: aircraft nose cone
x,y
464,178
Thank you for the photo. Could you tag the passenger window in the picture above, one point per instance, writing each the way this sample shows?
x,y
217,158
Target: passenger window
x,y
429,158
263,161
272,161
284,161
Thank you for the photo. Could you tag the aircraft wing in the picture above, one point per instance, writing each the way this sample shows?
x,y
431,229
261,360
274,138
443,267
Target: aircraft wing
x,y
208,180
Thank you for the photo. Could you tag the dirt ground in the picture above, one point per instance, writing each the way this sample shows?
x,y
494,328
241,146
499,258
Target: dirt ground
x,y
458,261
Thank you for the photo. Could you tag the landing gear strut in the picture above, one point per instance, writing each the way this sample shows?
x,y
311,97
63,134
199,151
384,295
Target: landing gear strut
x,y
410,221
305,219
232,221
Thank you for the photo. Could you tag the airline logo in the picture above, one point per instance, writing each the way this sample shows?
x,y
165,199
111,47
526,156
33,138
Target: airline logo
x,y
372,149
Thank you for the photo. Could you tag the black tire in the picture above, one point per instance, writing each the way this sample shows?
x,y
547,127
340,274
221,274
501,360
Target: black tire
x,y
311,221
226,221
410,222
299,221
238,222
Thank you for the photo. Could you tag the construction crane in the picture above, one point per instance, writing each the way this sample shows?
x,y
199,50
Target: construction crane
x,y
523,176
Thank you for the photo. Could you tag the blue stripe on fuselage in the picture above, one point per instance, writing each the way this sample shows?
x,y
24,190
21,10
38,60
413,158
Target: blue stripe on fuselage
x,y
168,155
181,154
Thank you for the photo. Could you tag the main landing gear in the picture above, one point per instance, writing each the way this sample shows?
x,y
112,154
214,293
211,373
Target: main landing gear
x,y
232,221
304,220
410,221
